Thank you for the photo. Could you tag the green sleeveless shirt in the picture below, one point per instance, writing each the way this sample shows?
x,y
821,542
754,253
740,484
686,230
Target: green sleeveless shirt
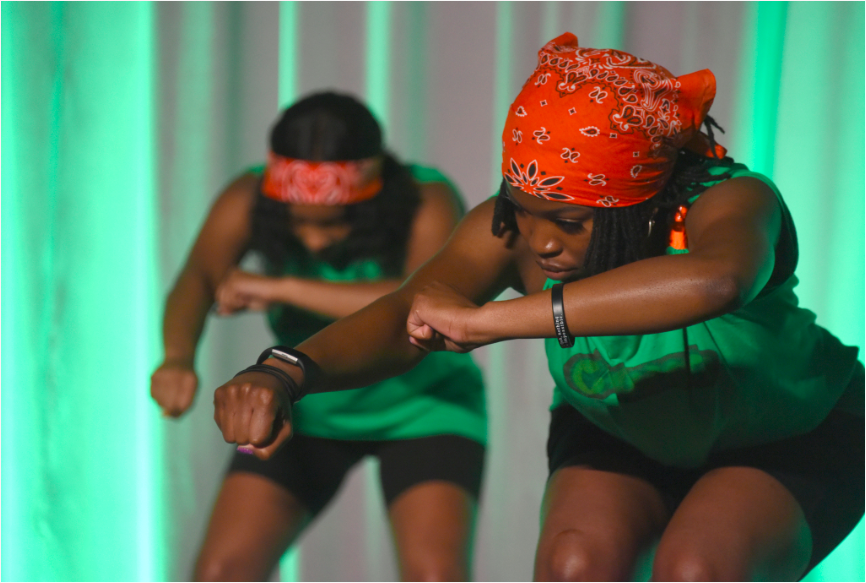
x,y
444,394
759,374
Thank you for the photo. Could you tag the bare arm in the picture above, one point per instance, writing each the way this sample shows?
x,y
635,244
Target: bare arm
x,y
373,343
435,219
733,229
220,244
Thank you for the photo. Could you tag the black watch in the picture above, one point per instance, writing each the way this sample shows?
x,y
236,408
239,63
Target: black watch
x,y
296,358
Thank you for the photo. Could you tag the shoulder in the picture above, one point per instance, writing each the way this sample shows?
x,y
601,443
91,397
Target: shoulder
x,y
744,198
241,190
236,200
440,199
473,261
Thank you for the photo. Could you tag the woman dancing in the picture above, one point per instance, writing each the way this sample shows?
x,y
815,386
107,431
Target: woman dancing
x,y
340,223
696,405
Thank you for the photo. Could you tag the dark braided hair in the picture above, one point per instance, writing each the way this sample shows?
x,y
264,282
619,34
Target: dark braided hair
x,y
620,234
335,127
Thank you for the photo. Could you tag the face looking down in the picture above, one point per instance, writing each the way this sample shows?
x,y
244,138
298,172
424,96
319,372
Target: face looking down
x,y
319,227
557,233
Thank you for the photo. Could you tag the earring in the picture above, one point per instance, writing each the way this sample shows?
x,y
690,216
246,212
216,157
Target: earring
x,y
652,223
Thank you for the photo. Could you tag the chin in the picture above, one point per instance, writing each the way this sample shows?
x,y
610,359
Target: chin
x,y
575,275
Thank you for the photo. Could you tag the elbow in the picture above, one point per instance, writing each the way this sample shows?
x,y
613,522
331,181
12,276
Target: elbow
x,y
724,293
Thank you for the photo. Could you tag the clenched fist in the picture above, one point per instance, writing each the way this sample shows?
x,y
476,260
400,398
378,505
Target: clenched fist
x,y
253,410
173,386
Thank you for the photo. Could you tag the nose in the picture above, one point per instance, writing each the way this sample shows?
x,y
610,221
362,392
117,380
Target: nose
x,y
313,239
542,239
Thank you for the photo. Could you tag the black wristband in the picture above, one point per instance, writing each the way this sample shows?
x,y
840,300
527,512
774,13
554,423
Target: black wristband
x,y
311,371
289,385
566,340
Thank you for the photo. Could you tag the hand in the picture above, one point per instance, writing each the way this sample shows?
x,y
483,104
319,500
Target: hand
x,y
241,290
441,318
253,411
173,386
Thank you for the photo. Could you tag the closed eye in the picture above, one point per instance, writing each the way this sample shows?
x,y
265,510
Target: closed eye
x,y
571,227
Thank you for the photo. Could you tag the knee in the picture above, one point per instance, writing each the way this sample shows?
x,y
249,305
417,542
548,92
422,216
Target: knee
x,y
685,565
226,567
433,569
570,556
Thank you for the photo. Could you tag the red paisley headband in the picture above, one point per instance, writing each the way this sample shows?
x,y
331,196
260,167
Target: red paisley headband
x,y
292,180
602,127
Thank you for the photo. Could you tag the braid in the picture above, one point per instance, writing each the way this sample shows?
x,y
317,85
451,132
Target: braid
x,y
620,235
503,213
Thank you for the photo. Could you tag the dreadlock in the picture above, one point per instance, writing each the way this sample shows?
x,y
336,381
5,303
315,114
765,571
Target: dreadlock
x,y
620,234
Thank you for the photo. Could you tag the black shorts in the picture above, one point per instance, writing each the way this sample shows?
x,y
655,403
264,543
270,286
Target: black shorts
x,y
823,469
312,468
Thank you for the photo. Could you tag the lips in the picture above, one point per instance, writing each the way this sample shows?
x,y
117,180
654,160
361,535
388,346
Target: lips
x,y
556,272
553,268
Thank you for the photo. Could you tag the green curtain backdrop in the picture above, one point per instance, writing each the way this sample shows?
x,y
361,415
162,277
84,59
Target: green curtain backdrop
x,y
121,121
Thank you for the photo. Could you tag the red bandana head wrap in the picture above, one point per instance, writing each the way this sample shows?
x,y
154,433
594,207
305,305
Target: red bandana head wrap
x,y
297,181
602,127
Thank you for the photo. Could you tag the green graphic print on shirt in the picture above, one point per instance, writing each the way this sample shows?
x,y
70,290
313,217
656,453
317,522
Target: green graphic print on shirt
x,y
762,373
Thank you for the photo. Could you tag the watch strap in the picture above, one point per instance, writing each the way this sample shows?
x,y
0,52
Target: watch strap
x,y
311,371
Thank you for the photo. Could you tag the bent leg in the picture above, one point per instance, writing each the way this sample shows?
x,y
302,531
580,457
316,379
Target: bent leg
x,y
433,524
735,524
431,487
595,525
253,522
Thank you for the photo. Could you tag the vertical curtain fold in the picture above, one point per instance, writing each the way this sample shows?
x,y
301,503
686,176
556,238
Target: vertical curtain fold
x,y
120,123
85,448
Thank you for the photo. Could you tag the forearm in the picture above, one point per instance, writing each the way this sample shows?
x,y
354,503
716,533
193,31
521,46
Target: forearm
x,y
373,344
366,347
645,297
329,298
186,309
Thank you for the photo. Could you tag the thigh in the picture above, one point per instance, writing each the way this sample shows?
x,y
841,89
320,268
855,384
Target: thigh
x,y
735,524
264,505
431,487
596,524
253,522
601,509
432,523
311,468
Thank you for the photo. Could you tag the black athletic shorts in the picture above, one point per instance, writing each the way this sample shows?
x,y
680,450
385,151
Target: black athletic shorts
x,y
823,469
312,468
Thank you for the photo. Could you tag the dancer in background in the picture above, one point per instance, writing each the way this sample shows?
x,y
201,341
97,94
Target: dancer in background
x,y
340,223
696,405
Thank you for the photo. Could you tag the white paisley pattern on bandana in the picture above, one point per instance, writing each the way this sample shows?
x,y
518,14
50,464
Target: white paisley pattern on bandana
x,y
570,155
645,103
597,180
626,116
297,181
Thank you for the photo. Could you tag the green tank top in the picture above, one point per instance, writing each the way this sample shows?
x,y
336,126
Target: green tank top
x,y
762,373
444,394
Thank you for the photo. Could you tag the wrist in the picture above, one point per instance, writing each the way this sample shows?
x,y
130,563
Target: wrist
x,y
282,290
181,360
295,372
481,327
301,368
